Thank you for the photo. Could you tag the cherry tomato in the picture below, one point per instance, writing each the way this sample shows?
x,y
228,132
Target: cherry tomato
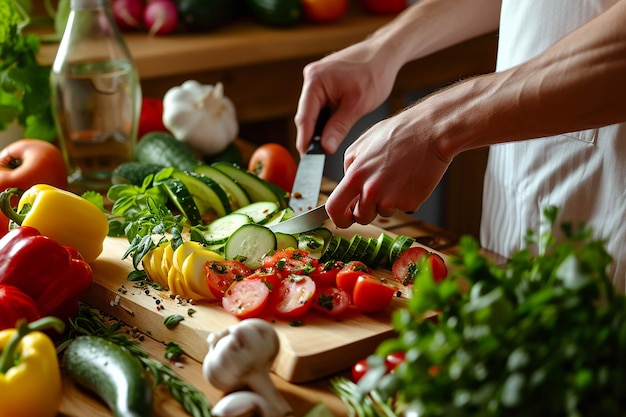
x,y
394,359
291,261
371,294
246,298
331,300
406,267
383,6
274,163
326,273
294,296
324,11
359,369
151,117
221,274
269,276
349,274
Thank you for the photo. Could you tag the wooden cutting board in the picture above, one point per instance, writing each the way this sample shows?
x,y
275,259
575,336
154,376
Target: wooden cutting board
x,y
319,347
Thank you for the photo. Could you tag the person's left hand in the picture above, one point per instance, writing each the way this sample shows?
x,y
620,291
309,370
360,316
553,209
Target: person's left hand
x,y
395,165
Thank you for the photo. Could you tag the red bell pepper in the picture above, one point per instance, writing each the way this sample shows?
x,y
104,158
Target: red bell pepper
x,y
51,274
15,304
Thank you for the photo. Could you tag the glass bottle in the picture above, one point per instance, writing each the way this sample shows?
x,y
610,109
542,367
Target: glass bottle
x,y
96,96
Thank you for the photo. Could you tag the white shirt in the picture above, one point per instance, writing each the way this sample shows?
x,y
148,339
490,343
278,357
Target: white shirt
x,y
582,173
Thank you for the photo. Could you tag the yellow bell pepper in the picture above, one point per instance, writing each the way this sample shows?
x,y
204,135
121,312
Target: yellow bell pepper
x,y
67,218
30,377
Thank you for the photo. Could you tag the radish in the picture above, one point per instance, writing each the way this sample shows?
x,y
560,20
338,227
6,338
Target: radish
x,y
128,14
160,17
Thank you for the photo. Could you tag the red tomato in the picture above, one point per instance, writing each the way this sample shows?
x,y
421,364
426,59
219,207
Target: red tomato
x,y
359,369
221,274
383,6
326,273
294,296
274,163
406,267
348,275
246,298
324,11
27,162
291,261
151,116
269,276
371,294
392,360
331,300
15,304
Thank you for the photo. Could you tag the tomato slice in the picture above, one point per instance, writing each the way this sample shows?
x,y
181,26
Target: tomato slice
x,y
221,274
348,275
408,265
269,276
326,273
291,261
294,296
331,300
246,298
371,294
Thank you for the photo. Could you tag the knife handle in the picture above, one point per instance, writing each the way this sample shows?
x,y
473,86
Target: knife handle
x,y
316,145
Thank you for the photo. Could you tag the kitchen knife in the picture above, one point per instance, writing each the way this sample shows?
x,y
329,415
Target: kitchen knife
x,y
310,220
306,187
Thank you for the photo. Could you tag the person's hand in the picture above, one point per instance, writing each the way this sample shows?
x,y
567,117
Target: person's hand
x,y
395,165
352,82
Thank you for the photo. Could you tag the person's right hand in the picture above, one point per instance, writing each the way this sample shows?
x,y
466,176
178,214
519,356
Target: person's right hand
x,y
352,82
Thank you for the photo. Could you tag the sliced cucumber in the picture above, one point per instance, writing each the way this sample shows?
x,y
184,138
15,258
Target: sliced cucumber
x,y
180,196
218,231
341,247
209,196
249,244
381,252
260,212
238,196
315,241
281,215
257,189
399,245
285,241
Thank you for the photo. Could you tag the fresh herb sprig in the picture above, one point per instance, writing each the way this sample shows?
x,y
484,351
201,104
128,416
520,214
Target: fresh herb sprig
x,y
544,335
90,322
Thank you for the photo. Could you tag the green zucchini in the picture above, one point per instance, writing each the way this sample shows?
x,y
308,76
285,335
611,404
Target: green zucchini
x,y
280,13
161,148
256,188
112,373
209,196
237,195
134,172
180,196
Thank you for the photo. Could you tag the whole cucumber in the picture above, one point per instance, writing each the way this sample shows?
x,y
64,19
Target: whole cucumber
x,y
112,373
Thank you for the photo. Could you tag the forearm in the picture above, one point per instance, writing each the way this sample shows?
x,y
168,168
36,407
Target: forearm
x,y
579,83
433,25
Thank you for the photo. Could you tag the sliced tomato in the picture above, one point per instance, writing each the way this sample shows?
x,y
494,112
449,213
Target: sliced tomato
x,y
246,298
274,163
408,265
294,296
269,276
331,300
371,294
326,273
348,275
291,261
221,274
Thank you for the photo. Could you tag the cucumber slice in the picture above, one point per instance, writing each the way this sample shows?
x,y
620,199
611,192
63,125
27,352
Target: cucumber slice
x,y
222,228
341,247
260,212
209,196
381,252
315,241
249,244
285,241
281,215
356,250
180,196
399,245
257,189
238,196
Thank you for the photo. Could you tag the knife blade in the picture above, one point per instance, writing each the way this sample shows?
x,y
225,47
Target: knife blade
x,y
306,187
310,220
